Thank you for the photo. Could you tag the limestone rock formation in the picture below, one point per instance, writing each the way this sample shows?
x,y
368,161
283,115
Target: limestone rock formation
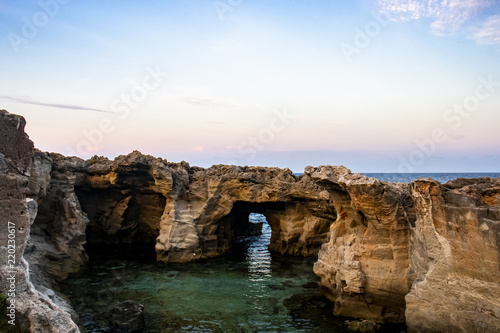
x,y
455,254
34,311
214,206
364,267
425,252
58,234
124,199
192,213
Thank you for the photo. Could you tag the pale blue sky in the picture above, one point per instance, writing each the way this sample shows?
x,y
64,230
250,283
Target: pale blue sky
x,y
367,82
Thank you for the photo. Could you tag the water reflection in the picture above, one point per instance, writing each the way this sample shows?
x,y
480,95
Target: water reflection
x,y
257,254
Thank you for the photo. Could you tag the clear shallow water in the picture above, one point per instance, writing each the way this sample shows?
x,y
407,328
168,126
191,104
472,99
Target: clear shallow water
x,y
248,291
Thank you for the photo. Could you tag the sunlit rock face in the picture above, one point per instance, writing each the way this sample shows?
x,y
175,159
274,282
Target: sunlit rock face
x,y
189,213
364,268
454,254
214,209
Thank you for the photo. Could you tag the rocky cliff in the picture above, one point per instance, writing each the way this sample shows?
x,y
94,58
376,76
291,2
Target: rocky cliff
x,y
27,307
454,254
364,268
422,252
188,213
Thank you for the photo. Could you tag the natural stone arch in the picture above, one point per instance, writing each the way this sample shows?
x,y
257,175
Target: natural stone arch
x,y
296,230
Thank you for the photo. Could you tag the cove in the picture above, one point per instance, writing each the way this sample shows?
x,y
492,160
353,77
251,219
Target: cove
x,y
247,290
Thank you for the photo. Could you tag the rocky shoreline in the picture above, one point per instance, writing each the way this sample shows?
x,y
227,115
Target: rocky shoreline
x,y
423,253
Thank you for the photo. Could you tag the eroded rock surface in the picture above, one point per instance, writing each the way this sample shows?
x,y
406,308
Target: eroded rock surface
x,y
364,267
55,248
34,310
455,251
423,251
191,213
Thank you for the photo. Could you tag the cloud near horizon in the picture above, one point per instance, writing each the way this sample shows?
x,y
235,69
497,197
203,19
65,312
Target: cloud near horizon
x,y
26,100
449,15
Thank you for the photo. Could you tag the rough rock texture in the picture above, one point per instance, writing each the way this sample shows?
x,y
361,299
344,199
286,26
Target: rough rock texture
x,y
455,254
124,199
364,267
423,251
58,234
192,213
214,206
34,311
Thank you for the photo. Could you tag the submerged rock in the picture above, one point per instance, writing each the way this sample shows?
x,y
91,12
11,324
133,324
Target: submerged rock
x,y
127,317
362,326
254,229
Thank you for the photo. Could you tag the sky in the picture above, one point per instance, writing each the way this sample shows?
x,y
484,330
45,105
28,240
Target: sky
x,y
376,86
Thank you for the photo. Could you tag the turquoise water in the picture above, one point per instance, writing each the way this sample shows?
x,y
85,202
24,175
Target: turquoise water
x,y
248,291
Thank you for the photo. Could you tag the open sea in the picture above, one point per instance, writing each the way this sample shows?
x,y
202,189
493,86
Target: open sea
x,y
439,176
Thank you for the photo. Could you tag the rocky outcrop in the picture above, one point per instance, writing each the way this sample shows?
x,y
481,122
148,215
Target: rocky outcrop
x,y
423,252
455,255
215,206
57,237
27,308
364,267
189,213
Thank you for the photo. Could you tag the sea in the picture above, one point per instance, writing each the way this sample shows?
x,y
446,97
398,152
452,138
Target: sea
x,y
442,177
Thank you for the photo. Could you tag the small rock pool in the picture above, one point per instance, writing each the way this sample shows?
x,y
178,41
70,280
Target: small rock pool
x,y
250,290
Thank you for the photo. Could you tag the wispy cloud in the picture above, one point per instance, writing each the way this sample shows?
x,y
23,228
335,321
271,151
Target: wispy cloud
x,y
26,100
448,15
489,32
207,102
215,122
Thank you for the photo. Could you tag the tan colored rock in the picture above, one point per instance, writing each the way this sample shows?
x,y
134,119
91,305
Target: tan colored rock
x,y
455,251
193,213
364,267
374,240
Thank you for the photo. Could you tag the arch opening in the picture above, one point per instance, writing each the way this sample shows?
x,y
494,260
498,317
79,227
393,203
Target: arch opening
x,y
294,227
123,224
